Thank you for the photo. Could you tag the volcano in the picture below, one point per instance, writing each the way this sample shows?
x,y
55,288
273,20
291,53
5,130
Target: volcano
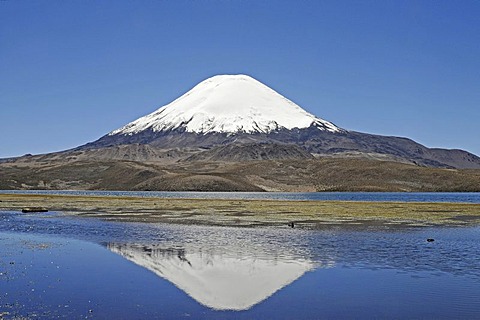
x,y
235,117
233,133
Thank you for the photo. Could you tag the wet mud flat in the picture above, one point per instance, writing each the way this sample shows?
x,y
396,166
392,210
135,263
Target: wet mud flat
x,y
250,213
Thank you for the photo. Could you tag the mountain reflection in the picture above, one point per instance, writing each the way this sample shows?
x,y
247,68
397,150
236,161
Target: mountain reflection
x,y
233,276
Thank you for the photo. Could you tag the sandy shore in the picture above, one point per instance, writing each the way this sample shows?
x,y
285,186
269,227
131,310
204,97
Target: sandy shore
x,y
307,214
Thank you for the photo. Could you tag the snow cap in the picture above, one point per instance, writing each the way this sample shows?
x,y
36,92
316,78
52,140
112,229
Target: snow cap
x,y
228,104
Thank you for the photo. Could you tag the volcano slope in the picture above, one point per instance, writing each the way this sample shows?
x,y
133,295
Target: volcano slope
x,y
240,110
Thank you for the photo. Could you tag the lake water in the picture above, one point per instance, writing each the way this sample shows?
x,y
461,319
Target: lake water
x,y
52,266
466,197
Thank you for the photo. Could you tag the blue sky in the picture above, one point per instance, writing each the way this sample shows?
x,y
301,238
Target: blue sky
x,y
71,71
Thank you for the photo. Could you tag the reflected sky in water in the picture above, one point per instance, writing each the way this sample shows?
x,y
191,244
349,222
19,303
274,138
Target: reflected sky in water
x,y
55,266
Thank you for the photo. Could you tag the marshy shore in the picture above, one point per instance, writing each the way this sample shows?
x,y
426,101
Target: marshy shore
x,y
245,213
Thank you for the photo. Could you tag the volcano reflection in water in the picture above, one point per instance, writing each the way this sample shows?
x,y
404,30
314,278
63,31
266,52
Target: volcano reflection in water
x,y
218,280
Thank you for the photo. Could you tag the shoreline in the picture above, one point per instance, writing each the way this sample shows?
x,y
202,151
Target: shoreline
x,y
310,214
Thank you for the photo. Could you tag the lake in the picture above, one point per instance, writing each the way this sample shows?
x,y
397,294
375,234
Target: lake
x,y
466,197
52,266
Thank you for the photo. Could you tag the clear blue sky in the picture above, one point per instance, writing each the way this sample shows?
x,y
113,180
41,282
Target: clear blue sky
x,y
71,71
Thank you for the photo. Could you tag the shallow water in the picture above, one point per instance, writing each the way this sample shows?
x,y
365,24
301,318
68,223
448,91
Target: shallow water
x,y
53,266
465,197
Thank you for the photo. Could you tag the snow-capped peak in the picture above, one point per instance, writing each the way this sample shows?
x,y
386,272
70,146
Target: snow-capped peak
x,y
228,104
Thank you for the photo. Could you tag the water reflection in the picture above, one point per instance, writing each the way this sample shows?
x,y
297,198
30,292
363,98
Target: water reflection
x,y
224,268
219,279
235,269
337,272
455,250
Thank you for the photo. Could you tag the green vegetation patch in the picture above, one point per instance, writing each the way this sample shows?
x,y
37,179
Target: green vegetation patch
x,y
309,214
